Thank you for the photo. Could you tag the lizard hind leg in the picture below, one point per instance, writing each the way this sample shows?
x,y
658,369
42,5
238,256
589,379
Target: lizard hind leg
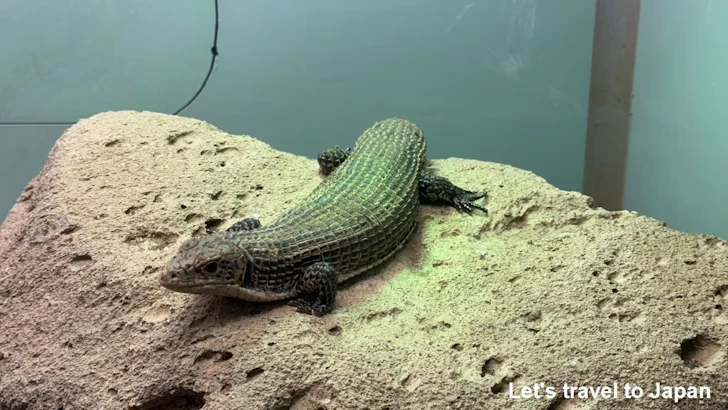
x,y
436,189
332,158
316,289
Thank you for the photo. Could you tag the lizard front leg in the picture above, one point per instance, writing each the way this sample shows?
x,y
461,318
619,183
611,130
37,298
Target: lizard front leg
x,y
247,224
316,289
332,158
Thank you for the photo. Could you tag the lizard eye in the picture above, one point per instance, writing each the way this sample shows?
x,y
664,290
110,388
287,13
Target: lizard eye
x,y
210,268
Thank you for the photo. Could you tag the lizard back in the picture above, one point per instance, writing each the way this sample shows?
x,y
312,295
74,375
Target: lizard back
x,y
359,216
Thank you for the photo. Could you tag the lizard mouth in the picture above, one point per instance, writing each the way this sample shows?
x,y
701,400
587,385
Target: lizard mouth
x,y
222,288
172,280
210,287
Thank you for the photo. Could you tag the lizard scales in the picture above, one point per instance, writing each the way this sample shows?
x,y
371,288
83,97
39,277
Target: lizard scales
x,y
363,212
356,219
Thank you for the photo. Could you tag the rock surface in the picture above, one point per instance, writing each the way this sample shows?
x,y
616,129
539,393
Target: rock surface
x,y
544,290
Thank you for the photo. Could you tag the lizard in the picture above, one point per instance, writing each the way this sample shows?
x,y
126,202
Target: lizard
x,y
356,219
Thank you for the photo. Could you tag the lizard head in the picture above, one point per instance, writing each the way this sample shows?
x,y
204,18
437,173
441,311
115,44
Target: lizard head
x,y
204,263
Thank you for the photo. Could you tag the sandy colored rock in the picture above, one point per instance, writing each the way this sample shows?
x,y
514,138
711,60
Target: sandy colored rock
x,y
544,290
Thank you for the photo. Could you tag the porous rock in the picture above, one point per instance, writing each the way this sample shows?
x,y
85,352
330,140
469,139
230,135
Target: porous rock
x,y
546,289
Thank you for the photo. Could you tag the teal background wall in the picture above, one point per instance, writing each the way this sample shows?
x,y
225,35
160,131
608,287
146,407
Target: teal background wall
x,y
497,80
676,169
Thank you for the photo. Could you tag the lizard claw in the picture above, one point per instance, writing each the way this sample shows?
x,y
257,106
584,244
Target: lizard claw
x,y
315,309
465,201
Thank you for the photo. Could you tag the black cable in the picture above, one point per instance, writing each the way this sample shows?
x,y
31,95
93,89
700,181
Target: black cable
x,y
213,50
